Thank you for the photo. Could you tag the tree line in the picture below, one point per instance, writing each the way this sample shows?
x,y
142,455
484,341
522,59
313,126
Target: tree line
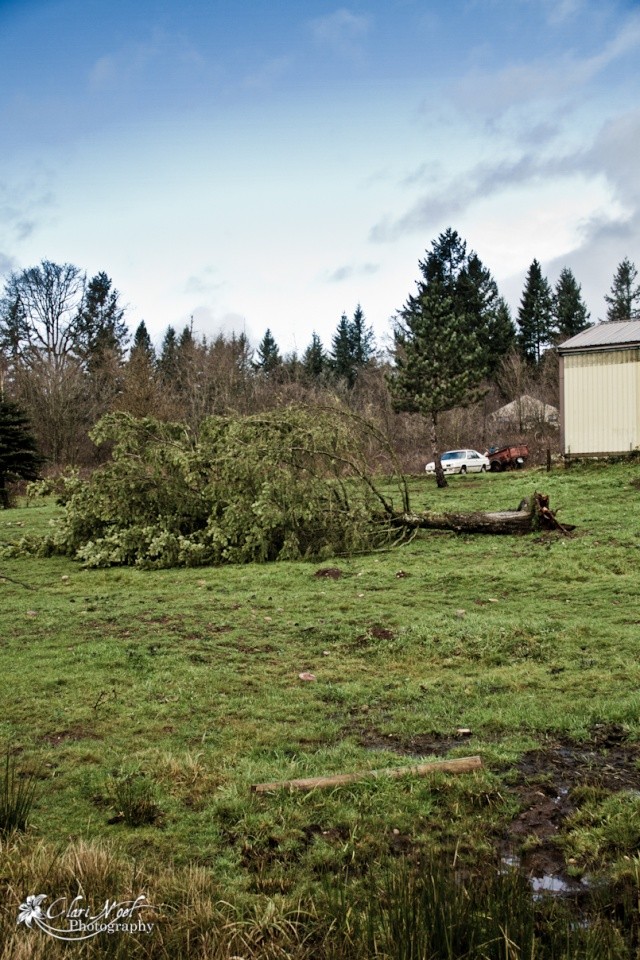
x,y
67,356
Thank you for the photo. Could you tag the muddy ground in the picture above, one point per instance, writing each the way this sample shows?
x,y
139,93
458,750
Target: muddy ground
x,y
543,781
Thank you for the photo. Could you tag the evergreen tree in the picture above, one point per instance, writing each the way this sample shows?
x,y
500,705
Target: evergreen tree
x,y
13,326
570,313
624,299
168,364
439,360
476,294
187,339
535,316
101,329
314,359
362,339
445,261
500,338
269,359
19,459
142,345
342,363
473,293
352,347
140,394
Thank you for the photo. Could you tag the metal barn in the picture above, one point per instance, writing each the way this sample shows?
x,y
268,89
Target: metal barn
x,y
600,390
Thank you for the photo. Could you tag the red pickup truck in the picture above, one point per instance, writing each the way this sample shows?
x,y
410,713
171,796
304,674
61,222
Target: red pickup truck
x,y
507,458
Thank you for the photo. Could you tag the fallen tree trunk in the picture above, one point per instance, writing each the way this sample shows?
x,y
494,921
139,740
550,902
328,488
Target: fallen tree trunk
x,y
460,765
528,518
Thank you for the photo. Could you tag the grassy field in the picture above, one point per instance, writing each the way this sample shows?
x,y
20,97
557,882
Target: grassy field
x,y
147,703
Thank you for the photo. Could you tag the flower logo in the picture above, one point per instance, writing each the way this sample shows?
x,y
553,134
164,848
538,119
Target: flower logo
x,y
31,910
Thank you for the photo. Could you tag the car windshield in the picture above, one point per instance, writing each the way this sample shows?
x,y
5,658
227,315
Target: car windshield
x,y
453,455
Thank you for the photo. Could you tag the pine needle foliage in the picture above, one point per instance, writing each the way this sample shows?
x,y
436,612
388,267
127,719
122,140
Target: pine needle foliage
x,y
283,485
19,458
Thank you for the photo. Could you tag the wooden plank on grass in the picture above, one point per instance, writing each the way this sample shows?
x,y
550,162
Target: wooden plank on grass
x,y
461,765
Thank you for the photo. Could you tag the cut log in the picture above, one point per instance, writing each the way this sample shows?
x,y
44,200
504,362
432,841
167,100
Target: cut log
x,y
461,765
527,519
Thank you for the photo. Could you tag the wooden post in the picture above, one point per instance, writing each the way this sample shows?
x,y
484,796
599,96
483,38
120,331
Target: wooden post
x,y
548,459
461,765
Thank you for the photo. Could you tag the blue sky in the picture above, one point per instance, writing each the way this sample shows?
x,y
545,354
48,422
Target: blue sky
x,y
272,164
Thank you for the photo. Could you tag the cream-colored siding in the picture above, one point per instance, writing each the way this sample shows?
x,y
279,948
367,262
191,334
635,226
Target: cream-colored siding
x,y
602,401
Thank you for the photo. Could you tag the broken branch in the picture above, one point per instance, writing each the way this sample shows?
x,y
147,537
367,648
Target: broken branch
x,y
461,765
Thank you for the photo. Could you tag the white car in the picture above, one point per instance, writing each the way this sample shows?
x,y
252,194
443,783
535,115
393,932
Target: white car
x,y
461,461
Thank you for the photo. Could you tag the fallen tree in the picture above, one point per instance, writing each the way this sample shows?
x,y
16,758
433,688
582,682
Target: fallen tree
x,y
530,516
287,484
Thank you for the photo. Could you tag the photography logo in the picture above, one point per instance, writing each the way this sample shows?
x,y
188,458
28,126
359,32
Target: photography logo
x,y
77,920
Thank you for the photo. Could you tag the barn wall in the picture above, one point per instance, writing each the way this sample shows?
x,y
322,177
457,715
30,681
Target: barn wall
x,y
601,401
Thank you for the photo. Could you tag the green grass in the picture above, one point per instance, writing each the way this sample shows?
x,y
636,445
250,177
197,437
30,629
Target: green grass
x,y
186,682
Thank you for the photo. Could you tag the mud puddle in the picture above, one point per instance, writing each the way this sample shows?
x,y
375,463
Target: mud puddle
x,y
545,784
544,781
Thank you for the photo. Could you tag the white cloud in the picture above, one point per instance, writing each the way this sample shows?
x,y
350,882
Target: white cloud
x,y
211,325
339,31
23,208
347,271
268,73
494,92
480,182
160,50
203,282
559,11
7,264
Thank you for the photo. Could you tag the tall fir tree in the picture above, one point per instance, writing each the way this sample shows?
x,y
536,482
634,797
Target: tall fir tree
x,y
269,358
570,313
186,339
168,364
352,347
341,358
535,316
142,345
473,293
623,302
314,360
362,339
140,394
101,329
19,457
476,295
438,360
445,261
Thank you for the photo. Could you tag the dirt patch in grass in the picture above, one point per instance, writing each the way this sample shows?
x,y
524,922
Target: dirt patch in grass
x,y
329,573
75,733
164,620
545,785
418,746
374,632
254,648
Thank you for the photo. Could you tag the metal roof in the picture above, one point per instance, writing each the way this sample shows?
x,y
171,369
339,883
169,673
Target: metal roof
x,y
615,333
